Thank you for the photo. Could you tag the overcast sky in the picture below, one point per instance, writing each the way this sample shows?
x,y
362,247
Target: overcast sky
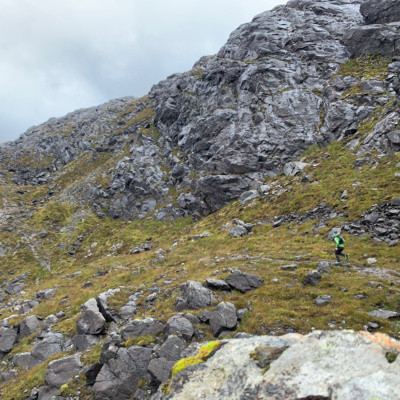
x,y
60,55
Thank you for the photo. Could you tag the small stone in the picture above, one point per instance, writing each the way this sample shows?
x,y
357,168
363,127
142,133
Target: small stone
x,y
371,261
87,284
385,314
290,267
372,284
312,278
359,296
373,325
323,300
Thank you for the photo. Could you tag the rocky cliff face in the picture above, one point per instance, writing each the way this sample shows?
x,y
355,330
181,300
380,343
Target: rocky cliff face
x,y
203,137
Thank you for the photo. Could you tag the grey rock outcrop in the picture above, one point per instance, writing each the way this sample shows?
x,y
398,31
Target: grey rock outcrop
x,y
384,314
223,318
28,326
8,337
91,320
168,354
323,300
269,93
244,282
142,327
293,168
194,296
178,323
46,294
217,284
294,373
121,371
61,371
380,11
110,314
51,344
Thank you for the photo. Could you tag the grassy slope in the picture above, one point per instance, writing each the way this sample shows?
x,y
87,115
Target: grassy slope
x,y
275,306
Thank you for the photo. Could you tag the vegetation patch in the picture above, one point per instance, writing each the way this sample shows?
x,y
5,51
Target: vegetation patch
x,y
205,352
369,67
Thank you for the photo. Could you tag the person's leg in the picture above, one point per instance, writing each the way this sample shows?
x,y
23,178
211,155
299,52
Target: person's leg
x,y
340,253
337,253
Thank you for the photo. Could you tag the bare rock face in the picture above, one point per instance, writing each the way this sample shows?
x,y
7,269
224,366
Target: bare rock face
x,y
380,11
292,371
168,354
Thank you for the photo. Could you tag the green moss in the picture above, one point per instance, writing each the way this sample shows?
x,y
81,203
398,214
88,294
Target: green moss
x,y
203,355
144,340
353,91
391,357
317,92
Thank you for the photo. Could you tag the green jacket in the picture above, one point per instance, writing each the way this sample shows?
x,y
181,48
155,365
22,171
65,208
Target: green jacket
x,y
339,243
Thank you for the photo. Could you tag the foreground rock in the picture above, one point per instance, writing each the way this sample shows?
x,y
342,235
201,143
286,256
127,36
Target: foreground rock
x,y
349,366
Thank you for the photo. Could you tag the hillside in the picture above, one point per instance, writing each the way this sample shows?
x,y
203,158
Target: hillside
x,y
131,230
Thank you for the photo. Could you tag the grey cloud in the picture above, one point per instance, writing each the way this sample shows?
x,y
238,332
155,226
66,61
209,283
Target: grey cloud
x,y
60,56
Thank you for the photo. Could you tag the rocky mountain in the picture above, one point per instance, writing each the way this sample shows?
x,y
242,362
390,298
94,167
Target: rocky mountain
x,y
133,231
201,138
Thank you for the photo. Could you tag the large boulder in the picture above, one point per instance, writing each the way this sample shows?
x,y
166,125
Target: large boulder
x,y
168,354
118,377
244,282
321,365
142,327
28,326
194,296
8,337
52,343
223,318
91,320
25,360
61,371
110,313
178,323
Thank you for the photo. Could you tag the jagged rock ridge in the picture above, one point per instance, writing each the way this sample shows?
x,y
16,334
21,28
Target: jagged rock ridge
x,y
204,137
